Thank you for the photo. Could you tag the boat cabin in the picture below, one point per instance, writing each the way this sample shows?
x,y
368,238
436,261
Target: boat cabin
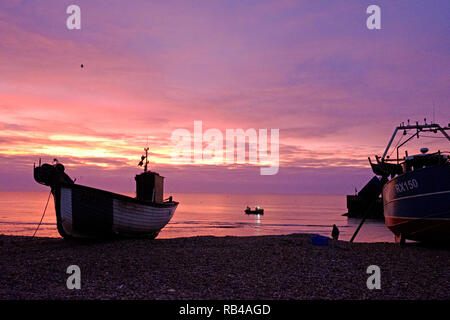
x,y
409,163
423,160
150,187
387,167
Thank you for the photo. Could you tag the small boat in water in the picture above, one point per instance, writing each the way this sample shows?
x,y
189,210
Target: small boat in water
x,y
416,189
257,210
86,212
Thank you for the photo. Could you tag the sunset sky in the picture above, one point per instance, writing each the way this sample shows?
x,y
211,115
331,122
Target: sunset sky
x,y
311,69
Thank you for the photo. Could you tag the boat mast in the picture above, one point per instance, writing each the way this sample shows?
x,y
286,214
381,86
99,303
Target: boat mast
x,y
389,144
146,159
433,127
445,133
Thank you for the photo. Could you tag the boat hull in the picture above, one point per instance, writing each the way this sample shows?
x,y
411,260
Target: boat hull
x,y
258,212
417,204
84,212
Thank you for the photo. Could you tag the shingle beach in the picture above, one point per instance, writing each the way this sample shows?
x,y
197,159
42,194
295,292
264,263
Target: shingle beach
x,y
263,267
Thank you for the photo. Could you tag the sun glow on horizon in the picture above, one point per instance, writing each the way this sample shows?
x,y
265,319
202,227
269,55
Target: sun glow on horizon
x,y
334,92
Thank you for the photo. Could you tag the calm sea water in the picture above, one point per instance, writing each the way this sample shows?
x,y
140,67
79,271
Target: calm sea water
x,y
213,214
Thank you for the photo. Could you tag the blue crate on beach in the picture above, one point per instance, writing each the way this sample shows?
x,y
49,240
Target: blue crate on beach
x,y
319,240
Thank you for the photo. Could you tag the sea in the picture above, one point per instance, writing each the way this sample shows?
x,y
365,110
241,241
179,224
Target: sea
x,y
213,215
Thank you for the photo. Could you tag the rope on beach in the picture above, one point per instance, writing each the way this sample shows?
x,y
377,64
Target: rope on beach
x,y
43,214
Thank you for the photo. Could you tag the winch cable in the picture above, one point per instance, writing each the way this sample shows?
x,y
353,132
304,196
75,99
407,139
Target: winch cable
x,y
43,214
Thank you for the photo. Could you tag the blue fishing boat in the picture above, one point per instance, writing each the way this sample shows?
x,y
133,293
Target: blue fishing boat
x,y
416,188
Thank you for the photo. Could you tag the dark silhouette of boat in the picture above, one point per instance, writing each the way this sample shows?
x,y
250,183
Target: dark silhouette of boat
x,y
357,204
85,212
416,189
257,210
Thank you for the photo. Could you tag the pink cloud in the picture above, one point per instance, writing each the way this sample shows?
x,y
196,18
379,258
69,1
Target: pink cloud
x,y
310,69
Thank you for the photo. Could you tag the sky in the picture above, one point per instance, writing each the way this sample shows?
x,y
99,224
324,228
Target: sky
x,y
312,69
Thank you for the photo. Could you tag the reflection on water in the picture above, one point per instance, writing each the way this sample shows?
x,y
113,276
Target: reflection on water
x,y
213,214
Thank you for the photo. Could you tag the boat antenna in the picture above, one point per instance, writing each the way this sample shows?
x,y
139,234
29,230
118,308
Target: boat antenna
x,y
433,112
144,159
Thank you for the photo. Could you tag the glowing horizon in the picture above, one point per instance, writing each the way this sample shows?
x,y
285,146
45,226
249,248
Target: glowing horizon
x,y
334,89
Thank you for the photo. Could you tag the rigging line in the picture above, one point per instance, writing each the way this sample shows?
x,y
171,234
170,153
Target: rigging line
x,y
433,137
398,142
43,214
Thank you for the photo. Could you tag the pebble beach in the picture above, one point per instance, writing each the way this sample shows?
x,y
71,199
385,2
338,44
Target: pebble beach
x,y
286,267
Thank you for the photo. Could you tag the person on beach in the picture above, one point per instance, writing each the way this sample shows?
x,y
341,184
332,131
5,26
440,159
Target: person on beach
x,y
335,232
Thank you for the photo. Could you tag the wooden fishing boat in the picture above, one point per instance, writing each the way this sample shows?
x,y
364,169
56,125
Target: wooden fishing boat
x,y
416,189
85,212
